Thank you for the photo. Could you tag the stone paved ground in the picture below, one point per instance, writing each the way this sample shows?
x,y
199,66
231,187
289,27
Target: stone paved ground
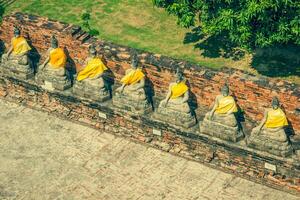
x,y
43,157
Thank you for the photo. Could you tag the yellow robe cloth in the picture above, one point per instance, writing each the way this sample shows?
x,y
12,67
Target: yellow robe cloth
x,y
276,118
58,58
94,67
178,90
226,104
20,45
133,77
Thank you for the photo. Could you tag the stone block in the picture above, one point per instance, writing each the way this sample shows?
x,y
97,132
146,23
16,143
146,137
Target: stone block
x,y
51,82
173,117
218,130
19,72
132,105
262,143
86,91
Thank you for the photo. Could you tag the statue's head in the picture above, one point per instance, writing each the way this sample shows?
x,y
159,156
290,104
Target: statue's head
x,y
275,103
134,62
17,32
54,42
225,90
179,75
92,50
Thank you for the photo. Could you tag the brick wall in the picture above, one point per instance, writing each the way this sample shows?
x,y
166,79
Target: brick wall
x,y
228,157
253,93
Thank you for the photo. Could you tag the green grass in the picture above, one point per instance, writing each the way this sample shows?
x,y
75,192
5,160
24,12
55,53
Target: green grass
x,y
134,23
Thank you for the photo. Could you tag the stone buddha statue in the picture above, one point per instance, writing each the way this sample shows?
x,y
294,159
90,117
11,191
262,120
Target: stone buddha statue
x,y
89,82
52,73
269,135
174,108
131,94
16,61
220,121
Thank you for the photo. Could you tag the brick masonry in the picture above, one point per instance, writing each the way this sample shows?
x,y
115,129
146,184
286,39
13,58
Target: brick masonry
x,y
253,93
233,158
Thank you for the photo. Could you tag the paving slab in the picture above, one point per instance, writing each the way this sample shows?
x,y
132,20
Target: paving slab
x,y
44,157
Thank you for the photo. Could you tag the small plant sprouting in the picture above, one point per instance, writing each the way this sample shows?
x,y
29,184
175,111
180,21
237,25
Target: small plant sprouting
x,y
86,17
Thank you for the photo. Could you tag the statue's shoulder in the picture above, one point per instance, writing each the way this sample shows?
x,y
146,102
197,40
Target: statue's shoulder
x,y
231,97
89,58
128,71
267,110
219,96
50,49
172,84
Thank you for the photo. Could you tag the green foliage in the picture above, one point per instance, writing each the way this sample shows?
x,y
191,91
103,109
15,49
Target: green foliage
x,y
86,17
1,12
247,23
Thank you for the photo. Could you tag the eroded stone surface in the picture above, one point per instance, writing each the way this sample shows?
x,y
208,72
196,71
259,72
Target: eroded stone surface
x,y
221,131
43,157
264,143
88,91
127,103
15,70
57,82
186,120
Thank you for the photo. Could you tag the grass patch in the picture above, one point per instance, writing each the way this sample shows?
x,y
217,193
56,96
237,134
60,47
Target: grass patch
x,y
138,24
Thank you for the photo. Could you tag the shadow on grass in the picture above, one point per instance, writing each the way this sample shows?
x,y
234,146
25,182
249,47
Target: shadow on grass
x,y
213,46
275,61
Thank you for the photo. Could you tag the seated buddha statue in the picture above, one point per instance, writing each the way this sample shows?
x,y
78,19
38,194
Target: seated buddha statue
x,y
220,121
174,108
131,94
52,73
89,82
269,135
16,60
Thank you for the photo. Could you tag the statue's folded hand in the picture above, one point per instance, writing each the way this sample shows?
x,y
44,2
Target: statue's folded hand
x,y
119,90
256,130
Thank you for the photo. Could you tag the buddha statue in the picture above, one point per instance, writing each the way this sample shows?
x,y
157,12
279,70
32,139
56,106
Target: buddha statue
x,y
131,94
52,73
221,122
16,61
89,82
269,135
174,108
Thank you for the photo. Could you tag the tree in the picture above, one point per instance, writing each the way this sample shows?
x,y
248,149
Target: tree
x,y
247,23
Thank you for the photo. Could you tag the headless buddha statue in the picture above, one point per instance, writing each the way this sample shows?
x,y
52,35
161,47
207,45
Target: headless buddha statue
x,y
221,121
269,135
174,108
131,95
16,60
52,73
89,82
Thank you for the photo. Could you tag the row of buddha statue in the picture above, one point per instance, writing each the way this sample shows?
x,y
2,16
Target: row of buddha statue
x,y
220,122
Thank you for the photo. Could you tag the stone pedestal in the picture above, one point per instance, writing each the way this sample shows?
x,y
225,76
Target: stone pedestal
x,y
14,69
50,81
262,142
225,129
295,141
85,89
174,116
135,102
